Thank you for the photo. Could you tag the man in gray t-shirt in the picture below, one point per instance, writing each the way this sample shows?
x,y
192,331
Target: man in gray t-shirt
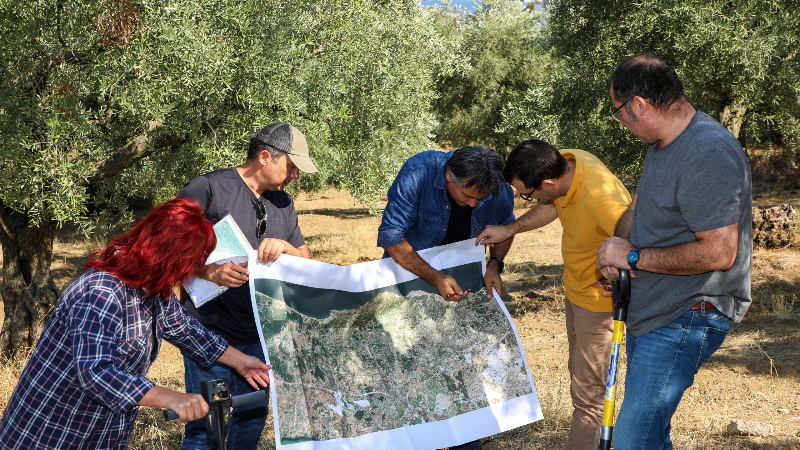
x,y
687,237
253,195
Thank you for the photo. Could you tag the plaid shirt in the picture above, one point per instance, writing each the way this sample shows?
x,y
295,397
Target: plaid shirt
x,y
82,384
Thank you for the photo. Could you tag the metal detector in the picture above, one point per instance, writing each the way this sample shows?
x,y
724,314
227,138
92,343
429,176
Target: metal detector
x,y
622,296
220,404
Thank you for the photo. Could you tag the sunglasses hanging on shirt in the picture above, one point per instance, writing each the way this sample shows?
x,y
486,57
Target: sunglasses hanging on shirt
x,y
261,214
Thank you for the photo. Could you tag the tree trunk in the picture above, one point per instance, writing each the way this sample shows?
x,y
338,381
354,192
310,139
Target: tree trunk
x,y
28,291
731,117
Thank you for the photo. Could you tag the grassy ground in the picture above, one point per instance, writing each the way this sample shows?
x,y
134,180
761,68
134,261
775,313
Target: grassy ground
x,y
754,376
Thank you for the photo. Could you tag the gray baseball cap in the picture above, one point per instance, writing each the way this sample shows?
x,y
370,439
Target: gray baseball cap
x,y
287,139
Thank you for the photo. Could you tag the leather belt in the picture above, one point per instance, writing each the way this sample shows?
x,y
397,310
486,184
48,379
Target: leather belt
x,y
699,305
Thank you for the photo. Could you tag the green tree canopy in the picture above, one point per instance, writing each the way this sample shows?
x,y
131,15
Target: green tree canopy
x,y
736,59
103,100
497,44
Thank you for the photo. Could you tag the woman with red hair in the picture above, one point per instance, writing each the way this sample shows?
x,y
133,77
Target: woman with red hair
x,y
87,376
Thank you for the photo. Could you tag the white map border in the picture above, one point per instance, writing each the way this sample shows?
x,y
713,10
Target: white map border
x,y
377,274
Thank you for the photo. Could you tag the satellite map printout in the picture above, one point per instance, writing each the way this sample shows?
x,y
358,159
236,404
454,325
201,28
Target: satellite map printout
x,y
369,356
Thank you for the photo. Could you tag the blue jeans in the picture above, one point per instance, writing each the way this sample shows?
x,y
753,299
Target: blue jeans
x,y
247,421
661,366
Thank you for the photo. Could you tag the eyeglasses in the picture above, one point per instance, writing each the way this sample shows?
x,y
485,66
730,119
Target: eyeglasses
x,y
261,213
617,113
527,197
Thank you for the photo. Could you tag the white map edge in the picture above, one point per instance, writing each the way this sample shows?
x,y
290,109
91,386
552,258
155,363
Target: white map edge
x,y
381,273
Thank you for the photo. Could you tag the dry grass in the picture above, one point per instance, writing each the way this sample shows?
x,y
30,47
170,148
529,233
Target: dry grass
x,y
754,376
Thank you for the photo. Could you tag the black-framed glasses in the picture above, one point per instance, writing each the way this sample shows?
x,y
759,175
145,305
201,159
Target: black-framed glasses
x,y
261,215
617,113
527,197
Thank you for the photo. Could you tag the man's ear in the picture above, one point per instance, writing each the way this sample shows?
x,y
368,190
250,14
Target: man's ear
x,y
548,183
264,157
639,106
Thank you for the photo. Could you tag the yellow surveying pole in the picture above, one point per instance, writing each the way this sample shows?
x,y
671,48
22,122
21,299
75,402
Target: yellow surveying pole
x,y
622,296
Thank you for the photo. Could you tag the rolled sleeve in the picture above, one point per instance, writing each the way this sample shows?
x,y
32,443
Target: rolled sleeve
x,y
402,208
93,321
185,332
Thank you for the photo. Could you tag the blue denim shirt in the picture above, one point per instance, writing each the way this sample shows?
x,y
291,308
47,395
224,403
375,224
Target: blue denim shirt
x,y
418,209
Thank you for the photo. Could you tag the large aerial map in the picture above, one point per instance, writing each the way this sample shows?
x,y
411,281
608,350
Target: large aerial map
x,y
355,368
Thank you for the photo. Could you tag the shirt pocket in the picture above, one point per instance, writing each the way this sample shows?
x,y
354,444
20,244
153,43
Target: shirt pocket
x,y
133,355
427,224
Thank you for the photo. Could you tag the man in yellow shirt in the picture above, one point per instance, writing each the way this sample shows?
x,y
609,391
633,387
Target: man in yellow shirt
x,y
575,187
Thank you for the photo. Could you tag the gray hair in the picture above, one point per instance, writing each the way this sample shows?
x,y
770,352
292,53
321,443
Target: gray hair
x,y
476,166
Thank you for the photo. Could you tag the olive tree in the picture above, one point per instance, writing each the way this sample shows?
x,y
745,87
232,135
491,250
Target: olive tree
x,y
102,101
498,49
737,60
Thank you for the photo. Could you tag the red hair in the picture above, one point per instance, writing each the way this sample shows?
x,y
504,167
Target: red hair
x,y
162,250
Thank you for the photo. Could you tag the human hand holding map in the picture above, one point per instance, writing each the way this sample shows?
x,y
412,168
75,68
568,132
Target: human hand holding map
x,y
231,247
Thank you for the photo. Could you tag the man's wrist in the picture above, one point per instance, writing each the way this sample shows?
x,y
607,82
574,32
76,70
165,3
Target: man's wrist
x,y
434,277
498,262
514,226
207,272
633,258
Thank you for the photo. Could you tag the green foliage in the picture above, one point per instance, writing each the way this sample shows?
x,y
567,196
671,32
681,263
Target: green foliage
x,y
500,61
733,57
190,79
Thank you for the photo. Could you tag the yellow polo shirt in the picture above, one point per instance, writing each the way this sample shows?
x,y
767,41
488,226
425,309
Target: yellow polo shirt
x,y
588,213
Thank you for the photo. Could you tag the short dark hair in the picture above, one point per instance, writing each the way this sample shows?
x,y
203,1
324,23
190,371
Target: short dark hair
x,y
649,77
534,161
257,147
476,165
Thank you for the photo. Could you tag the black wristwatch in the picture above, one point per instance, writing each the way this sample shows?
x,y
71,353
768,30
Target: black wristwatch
x,y
633,258
500,262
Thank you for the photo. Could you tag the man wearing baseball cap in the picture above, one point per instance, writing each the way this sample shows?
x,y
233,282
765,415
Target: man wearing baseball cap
x,y
253,194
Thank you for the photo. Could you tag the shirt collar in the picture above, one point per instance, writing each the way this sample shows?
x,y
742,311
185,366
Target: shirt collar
x,y
577,179
441,182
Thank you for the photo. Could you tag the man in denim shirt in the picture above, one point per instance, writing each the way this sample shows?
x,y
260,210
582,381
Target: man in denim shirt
x,y
439,198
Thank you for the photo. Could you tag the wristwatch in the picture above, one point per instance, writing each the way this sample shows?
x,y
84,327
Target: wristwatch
x,y
500,262
633,258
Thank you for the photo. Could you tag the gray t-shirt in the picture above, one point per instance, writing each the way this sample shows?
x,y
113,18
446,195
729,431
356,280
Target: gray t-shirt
x,y
221,193
699,182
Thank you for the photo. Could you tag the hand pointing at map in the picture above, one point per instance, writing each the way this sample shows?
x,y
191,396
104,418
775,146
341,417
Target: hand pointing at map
x,y
448,288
